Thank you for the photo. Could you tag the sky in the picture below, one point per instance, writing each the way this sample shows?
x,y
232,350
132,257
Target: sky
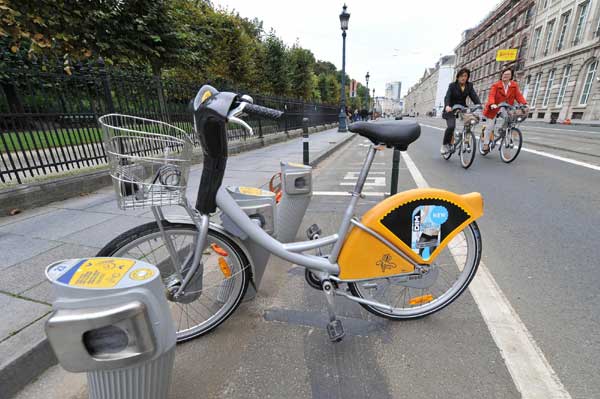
x,y
393,40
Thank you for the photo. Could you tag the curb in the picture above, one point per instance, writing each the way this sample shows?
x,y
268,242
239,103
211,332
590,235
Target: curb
x,y
38,357
322,156
28,196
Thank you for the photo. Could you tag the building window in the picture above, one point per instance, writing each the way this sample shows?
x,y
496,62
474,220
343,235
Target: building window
x,y
577,115
564,26
546,4
554,115
529,15
537,36
548,88
549,35
541,115
563,85
536,88
582,11
526,88
597,34
589,81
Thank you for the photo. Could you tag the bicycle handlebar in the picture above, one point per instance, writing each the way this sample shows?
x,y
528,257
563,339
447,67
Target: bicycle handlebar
x,y
262,112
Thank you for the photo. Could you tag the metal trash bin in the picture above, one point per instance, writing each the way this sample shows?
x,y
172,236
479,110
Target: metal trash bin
x,y
259,205
296,181
111,319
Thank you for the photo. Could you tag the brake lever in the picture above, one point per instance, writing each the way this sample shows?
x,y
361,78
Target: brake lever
x,y
233,117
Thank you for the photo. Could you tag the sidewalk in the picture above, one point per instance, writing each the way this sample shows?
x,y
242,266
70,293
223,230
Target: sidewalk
x,y
79,227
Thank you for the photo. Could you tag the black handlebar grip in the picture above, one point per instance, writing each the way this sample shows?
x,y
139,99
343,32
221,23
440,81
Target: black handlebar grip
x,y
262,112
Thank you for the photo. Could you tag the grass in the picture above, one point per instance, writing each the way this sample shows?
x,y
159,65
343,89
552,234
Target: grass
x,y
40,139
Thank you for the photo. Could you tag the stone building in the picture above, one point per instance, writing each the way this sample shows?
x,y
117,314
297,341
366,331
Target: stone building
x,y
426,97
506,27
561,66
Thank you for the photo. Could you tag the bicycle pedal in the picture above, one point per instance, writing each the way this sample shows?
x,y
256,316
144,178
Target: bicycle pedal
x,y
335,330
313,231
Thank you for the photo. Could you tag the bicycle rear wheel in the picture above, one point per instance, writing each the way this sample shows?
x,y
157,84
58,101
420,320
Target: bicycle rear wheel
x,y
467,149
510,146
213,295
452,271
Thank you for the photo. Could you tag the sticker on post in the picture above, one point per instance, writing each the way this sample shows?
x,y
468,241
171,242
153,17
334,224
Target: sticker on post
x,y
97,272
427,221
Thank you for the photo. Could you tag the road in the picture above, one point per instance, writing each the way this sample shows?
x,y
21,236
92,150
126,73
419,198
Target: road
x,y
540,250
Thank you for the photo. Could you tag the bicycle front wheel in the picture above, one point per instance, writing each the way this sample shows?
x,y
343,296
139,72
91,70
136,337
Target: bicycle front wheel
x,y
212,295
451,273
467,149
511,145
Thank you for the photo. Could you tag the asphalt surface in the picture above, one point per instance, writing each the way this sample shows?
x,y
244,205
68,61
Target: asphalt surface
x,y
539,234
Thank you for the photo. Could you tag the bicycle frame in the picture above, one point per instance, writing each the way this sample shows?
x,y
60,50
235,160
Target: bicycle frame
x,y
325,267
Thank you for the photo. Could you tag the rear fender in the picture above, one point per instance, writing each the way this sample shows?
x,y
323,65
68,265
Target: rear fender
x,y
420,223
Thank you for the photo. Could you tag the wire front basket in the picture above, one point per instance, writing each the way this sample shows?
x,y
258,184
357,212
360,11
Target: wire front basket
x,y
149,160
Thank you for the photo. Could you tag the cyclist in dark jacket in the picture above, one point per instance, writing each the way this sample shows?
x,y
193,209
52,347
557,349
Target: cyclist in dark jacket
x,y
457,93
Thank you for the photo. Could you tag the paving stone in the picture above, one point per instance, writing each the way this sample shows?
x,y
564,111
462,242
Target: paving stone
x,y
31,272
57,224
16,248
13,311
101,234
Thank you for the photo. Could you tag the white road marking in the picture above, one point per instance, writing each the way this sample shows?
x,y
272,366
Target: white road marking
x,y
547,154
348,194
559,158
378,182
528,367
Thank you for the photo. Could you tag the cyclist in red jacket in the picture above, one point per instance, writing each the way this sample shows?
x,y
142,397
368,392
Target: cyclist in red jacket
x,y
506,90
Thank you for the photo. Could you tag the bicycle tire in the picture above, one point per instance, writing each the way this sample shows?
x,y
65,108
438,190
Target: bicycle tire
x,y
443,300
503,148
235,257
467,144
480,143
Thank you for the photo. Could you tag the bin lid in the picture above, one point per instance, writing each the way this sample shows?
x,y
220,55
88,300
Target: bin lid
x,y
101,273
249,192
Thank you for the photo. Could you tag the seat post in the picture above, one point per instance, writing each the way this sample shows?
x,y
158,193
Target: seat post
x,y
349,213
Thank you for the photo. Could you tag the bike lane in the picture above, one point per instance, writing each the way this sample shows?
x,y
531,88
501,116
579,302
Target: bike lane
x,y
539,246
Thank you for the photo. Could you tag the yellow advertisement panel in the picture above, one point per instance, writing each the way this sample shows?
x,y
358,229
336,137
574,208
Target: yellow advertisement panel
x,y
507,55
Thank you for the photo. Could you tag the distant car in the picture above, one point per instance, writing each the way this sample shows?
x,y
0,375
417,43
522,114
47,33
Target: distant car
x,y
399,118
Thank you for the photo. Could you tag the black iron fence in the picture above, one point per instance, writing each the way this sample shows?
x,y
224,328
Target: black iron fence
x,y
48,120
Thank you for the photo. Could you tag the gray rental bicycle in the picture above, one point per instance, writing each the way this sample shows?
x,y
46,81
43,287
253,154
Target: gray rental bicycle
x,y
409,256
463,139
510,139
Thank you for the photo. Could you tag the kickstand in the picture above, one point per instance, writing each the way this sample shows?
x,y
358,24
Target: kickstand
x,y
335,329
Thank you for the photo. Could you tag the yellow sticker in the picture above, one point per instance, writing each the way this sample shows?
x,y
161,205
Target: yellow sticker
x,y
296,165
253,191
101,272
141,274
206,96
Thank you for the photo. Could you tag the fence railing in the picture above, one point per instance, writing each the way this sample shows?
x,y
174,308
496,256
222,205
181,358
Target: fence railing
x,y
48,120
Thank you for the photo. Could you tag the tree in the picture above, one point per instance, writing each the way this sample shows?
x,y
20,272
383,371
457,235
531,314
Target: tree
x,y
276,66
302,63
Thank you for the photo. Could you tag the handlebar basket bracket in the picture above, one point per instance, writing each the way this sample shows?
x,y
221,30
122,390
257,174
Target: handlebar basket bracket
x,y
149,160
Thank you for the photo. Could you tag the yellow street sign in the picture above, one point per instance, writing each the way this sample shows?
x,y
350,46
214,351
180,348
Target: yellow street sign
x,y
507,55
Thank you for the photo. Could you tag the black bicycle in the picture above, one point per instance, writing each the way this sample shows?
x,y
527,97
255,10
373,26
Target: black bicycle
x,y
510,138
463,140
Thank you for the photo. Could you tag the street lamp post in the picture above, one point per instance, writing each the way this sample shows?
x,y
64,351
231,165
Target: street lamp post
x,y
344,18
367,76
373,110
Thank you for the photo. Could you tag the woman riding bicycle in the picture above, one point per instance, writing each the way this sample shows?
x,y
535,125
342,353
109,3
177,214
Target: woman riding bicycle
x,y
506,90
457,93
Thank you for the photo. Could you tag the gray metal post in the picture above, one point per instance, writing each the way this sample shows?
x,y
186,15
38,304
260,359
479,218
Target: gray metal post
x,y
305,153
395,169
342,116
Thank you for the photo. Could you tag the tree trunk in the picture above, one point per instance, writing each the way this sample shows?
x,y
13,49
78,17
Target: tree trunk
x,y
156,72
12,98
